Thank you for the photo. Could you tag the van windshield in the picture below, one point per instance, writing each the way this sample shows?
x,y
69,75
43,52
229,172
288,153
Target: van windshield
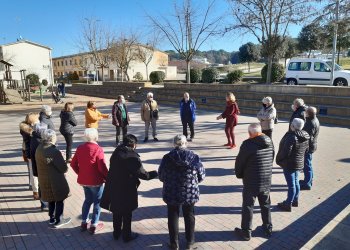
x,y
337,67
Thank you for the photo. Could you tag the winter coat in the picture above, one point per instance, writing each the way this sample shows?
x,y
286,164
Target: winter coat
x,y
312,127
117,119
26,131
92,117
180,171
89,164
120,192
43,118
192,108
267,117
230,114
68,122
146,108
254,163
292,149
51,170
298,113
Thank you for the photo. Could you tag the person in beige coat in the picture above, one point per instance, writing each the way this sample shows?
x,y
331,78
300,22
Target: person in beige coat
x,y
149,115
267,116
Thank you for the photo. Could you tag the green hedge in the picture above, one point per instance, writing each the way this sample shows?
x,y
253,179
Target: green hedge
x,y
195,75
156,77
209,75
234,76
277,72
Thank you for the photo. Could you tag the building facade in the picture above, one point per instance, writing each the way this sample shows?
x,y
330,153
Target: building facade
x,y
84,64
29,56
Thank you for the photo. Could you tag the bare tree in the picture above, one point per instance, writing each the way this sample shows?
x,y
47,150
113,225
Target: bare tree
x,y
124,50
269,20
97,40
145,53
188,28
83,63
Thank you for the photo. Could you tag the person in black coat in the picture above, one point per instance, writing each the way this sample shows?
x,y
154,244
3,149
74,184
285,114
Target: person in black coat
x,y
120,193
312,127
254,165
299,109
68,122
120,117
290,157
45,117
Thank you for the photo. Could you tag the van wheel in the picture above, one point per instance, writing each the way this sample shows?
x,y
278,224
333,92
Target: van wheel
x,y
340,82
292,81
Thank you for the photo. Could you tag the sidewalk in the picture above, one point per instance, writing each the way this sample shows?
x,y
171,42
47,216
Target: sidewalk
x,y
24,226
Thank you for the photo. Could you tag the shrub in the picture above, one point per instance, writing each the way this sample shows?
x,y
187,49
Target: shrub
x,y
157,77
209,75
73,76
44,82
138,76
235,76
33,79
195,75
277,72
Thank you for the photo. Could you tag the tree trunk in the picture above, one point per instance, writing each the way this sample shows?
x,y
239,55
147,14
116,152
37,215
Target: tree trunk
x,y
103,75
269,70
147,72
338,56
127,76
309,53
188,76
248,67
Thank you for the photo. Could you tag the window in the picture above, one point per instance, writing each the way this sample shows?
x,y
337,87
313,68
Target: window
x,y
62,63
66,63
54,64
321,67
299,66
75,61
70,62
80,73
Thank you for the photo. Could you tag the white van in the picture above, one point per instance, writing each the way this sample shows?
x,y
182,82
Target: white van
x,y
315,71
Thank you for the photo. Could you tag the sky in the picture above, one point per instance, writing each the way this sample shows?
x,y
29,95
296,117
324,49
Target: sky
x,y
57,24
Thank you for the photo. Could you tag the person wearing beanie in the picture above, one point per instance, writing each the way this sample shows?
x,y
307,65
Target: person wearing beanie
x,y
290,157
45,116
267,116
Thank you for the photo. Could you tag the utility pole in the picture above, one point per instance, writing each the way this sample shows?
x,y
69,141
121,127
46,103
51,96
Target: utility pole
x,y
335,39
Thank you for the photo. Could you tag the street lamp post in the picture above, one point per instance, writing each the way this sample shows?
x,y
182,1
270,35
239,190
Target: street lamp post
x,y
334,50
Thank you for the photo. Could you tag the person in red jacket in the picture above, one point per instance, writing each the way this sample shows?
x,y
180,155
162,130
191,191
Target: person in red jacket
x,y
230,114
90,166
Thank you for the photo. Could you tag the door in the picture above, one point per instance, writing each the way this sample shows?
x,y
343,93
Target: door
x,y
322,74
305,73
111,75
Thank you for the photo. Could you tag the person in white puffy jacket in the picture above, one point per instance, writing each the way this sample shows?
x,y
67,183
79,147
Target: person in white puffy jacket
x,y
267,116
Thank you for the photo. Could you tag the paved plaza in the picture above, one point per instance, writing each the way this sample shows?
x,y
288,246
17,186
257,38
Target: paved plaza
x,y
24,226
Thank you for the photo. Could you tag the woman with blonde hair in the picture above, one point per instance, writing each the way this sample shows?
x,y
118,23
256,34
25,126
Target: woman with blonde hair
x,y
230,114
26,130
93,116
68,122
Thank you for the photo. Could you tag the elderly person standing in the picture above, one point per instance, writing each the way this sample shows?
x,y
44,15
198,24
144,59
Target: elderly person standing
x,y
120,193
93,116
181,171
312,127
254,165
90,166
231,115
150,115
51,173
290,157
299,109
120,117
188,115
68,122
267,116
45,116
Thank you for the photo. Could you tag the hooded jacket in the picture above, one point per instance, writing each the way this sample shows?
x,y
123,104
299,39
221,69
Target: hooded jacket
x,y
292,149
180,171
26,131
68,122
43,118
120,192
254,163
267,117
312,127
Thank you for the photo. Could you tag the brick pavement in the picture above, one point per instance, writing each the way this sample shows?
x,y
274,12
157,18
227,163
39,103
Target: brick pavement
x,y
24,226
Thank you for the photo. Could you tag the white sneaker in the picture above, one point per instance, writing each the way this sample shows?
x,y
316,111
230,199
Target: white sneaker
x,y
62,222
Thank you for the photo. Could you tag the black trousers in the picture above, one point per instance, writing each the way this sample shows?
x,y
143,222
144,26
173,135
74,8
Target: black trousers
x,y
118,130
190,124
122,224
69,143
56,209
173,222
268,133
248,208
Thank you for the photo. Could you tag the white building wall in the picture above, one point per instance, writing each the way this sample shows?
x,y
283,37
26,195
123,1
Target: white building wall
x,y
32,58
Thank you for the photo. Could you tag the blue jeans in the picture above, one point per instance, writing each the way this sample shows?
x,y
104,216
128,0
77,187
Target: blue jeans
x,y
292,178
92,196
308,172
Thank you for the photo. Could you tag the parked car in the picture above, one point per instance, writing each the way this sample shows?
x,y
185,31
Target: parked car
x,y
313,71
